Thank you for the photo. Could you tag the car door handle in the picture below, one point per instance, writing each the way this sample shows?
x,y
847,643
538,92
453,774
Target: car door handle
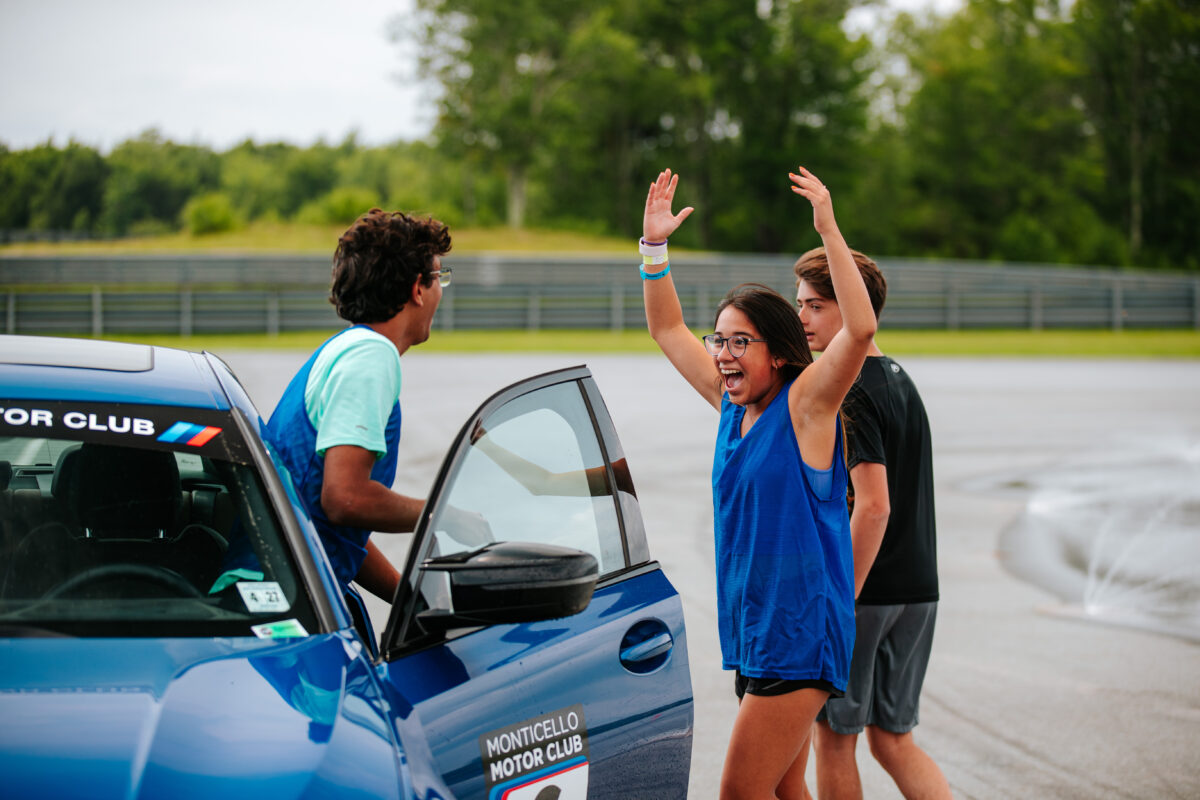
x,y
651,648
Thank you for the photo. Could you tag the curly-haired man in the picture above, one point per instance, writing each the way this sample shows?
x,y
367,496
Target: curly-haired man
x,y
337,426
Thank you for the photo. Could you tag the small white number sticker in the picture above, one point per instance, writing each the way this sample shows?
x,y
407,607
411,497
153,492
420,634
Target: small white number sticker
x,y
262,597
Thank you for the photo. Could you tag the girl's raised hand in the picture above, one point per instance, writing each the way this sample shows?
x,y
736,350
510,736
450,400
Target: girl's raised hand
x,y
810,186
659,222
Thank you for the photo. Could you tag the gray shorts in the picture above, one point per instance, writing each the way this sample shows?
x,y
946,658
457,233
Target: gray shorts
x,y
887,669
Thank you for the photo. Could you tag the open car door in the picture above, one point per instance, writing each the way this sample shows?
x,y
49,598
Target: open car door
x,y
533,646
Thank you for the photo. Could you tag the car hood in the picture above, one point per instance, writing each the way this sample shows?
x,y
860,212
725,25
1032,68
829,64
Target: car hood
x,y
197,718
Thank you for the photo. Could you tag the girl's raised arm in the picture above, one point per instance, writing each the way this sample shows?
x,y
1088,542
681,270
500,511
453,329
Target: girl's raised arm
x,y
823,385
664,314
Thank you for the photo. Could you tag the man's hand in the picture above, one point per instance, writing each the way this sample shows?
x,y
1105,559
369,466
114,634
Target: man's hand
x,y
469,527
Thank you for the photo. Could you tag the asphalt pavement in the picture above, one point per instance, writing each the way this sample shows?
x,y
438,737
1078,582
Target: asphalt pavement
x,y
1026,696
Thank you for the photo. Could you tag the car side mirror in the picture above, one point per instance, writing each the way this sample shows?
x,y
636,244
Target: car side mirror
x,y
508,582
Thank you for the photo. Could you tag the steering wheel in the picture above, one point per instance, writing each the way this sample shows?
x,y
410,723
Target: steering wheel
x,y
128,572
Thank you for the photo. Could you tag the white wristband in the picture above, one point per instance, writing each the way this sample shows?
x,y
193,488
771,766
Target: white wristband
x,y
652,248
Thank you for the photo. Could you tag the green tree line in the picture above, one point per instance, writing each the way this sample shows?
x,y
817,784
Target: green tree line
x,y
1021,130
150,185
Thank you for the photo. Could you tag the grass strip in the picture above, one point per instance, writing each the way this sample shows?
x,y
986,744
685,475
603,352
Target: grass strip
x,y
291,237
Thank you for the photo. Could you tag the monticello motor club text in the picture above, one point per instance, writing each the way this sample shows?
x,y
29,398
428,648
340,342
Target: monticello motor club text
x,y
534,744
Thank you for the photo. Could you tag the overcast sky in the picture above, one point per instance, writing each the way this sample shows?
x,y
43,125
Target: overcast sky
x,y
213,72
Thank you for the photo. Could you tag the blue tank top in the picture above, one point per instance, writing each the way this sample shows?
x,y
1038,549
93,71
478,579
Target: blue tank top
x,y
785,568
293,436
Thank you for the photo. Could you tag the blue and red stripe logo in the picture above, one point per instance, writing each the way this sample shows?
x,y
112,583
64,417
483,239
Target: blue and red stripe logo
x,y
189,433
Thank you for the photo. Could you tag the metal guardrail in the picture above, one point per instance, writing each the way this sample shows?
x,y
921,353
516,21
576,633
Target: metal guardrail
x,y
210,294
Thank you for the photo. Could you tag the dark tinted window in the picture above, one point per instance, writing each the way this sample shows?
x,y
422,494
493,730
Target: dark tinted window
x,y
138,521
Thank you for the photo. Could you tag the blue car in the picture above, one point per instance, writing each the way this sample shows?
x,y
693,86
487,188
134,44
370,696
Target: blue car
x,y
171,628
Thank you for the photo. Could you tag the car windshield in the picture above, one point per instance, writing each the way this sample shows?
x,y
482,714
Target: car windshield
x,y
139,525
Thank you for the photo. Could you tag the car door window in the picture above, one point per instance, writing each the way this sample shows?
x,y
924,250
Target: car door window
x,y
532,471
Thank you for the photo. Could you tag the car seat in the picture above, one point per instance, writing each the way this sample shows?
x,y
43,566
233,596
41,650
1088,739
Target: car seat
x,y
119,505
43,534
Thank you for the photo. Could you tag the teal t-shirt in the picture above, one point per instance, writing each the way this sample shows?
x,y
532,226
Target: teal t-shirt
x,y
351,390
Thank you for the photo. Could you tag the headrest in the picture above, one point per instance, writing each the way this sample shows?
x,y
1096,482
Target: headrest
x,y
125,489
65,469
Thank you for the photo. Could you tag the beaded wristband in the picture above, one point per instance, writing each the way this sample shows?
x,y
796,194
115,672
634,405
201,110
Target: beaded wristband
x,y
653,276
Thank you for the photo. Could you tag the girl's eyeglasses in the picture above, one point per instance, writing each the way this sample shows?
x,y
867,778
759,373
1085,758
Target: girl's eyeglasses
x,y
737,344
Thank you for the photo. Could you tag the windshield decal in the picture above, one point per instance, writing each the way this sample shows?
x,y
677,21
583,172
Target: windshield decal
x,y
201,431
279,630
262,597
190,433
546,754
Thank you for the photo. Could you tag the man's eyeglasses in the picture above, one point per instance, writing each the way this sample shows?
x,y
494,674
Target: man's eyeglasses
x,y
443,275
737,344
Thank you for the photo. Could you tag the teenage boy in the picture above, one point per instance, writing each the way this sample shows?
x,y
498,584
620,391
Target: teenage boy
x,y
337,426
895,556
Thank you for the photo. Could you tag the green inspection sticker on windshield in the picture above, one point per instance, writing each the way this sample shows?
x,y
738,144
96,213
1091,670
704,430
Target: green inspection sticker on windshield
x,y
279,630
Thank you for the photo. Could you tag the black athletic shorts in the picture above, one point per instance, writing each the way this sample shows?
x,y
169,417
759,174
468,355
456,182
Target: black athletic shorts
x,y
771,687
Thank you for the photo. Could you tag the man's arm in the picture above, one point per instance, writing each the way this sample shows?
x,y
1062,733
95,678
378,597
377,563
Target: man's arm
x,y
377,575
350,497
868,522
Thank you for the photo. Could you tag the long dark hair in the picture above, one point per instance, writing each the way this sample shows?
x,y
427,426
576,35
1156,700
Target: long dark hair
x,y
777,322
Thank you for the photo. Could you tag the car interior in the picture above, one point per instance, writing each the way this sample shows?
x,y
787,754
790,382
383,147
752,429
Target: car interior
x,y
108,532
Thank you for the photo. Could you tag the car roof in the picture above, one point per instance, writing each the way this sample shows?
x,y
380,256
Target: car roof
x,y
87,370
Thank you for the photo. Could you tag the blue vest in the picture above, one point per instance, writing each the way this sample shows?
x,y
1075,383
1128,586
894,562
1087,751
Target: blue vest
x,y
785,568
293,436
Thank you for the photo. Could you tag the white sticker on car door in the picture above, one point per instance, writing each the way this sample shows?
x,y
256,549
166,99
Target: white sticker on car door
x,y
569,783
543,758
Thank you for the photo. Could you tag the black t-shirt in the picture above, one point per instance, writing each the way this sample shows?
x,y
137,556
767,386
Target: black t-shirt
x,y
886,424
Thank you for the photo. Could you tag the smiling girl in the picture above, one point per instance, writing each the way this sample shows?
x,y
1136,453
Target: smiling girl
x,y
785,575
